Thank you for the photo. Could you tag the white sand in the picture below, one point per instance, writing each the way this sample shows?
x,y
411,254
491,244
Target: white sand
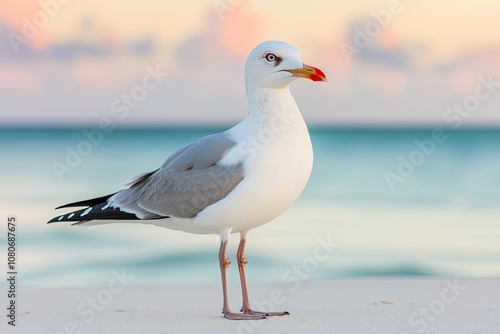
x,y
341,306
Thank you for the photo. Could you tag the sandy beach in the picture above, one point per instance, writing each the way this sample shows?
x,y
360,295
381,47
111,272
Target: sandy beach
x,y
420,305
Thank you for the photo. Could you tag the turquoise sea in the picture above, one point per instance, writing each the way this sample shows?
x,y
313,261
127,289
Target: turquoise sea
x,y
440,217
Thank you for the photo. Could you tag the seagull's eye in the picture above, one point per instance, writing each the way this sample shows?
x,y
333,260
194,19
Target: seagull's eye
x,y
270,57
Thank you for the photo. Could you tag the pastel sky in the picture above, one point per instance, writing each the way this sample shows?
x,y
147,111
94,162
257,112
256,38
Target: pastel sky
x,y
424,58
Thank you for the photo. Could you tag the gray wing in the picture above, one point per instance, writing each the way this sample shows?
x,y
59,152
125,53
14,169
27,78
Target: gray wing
x,y
201,153
188,181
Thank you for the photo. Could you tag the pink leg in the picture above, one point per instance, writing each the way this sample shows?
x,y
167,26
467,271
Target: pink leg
x,y
224,263
242,262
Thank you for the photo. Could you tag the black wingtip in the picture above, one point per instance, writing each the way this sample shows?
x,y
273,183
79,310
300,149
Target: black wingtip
x,y
102,211
87,202
54,220
57,220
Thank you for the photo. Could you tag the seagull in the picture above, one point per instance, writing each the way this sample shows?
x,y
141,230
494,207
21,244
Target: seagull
x,y
229,182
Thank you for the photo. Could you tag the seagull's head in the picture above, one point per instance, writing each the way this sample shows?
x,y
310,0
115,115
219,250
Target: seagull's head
x,y
275,64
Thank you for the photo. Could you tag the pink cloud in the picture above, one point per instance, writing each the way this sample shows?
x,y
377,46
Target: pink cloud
x,y
13,11
242,29
226,38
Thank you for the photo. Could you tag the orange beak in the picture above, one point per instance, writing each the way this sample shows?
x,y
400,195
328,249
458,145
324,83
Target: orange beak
x,y
309,72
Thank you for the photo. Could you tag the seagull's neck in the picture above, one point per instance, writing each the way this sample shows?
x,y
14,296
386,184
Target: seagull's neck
x,y
269,107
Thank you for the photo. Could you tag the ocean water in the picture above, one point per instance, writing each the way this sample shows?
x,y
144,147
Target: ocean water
x,y
377,204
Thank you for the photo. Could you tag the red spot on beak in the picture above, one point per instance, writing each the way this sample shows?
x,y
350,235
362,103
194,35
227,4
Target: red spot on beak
x,y
315,77
309,72
319,74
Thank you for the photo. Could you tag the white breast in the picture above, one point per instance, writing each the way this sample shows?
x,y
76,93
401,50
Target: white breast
x,y
277,157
